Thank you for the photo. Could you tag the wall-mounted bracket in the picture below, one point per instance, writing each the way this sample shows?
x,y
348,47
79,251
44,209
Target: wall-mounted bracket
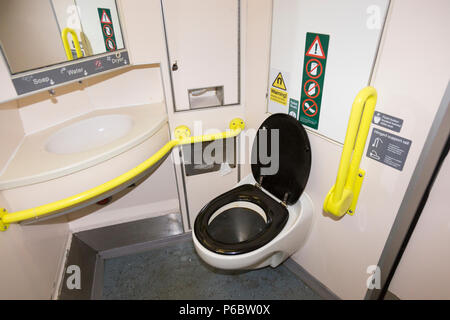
x,y
237,123
3,226
182,132
356,189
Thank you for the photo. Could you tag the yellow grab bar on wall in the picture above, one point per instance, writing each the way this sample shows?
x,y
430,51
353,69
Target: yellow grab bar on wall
x,y
343,196
182,136
67,46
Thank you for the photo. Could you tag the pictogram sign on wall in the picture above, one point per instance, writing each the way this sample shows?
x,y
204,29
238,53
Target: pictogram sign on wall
x,y
316,51
278,91
107,29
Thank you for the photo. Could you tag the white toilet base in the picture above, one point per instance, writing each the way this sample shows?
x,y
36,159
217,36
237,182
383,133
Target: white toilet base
x,y
287,242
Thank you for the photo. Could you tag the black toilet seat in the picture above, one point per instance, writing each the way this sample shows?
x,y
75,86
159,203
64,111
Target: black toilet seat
x,y
239,229
276,216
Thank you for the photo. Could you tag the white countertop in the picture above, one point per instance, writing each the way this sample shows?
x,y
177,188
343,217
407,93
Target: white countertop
x,y
33,164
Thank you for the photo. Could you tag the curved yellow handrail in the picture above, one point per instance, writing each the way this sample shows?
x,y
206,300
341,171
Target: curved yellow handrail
x,y
66,43
181,137
343,196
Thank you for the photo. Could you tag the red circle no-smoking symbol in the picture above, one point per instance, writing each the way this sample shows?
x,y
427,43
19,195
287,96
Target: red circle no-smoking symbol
x,y
309,107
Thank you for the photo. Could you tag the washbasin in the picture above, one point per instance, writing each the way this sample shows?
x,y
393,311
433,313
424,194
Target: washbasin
x,y
89,134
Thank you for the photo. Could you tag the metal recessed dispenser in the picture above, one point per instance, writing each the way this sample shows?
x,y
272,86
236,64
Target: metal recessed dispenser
x,y
343,196
206,97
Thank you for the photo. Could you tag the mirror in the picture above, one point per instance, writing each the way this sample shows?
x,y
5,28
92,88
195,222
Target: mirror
x,y
41,33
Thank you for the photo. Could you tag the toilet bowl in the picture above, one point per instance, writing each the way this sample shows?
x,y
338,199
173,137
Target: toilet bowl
x,y
267,216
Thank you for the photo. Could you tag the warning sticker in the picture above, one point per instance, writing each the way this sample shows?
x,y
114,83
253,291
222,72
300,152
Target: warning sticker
x,y
279,82
388,149
293,108
104,18
387,121
278,96
315,60
315,49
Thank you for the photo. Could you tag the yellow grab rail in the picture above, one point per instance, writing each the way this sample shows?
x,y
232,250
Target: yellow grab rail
x,y
182,136
67,46
343,196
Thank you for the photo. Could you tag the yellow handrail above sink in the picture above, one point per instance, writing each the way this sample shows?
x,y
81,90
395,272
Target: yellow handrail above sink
x,y
343,196
182,136
67,46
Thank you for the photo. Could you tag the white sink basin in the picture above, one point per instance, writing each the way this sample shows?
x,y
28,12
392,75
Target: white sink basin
x,y
89,134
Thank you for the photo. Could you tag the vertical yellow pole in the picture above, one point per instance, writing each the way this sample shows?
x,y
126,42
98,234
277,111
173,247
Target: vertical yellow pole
x,y
344,194
370,99
66,43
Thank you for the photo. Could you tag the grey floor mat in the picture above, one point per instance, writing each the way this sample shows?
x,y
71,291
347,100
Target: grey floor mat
x,y
176,272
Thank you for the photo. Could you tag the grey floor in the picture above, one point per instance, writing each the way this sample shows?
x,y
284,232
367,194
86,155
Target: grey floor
x,y
176,272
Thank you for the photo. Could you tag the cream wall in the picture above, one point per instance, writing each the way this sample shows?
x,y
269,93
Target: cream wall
x,y
423,272
259,26
7,92
210,120
31,256
125,87
133,13
338,252
11,131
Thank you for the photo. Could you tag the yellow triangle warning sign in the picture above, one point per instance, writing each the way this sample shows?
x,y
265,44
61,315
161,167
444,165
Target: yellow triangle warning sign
x,y
316,49
279,82
105,18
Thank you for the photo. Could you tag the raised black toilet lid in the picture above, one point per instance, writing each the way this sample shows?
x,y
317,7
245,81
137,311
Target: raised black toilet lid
x,y
291,174
239,230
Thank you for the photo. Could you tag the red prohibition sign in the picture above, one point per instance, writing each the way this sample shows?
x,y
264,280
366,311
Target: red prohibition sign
x,y
313,106
316,86
318,65
110,42
108,31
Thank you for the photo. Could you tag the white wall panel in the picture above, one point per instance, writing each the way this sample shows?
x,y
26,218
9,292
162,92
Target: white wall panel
x,y
354,28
